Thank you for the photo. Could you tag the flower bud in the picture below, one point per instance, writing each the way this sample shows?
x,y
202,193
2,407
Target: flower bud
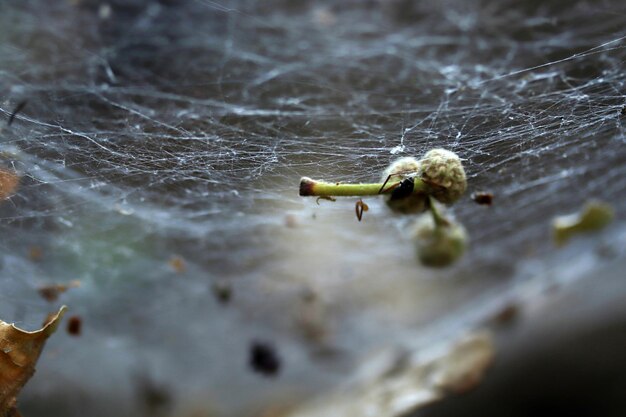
x,y
443,171
439,245
400,170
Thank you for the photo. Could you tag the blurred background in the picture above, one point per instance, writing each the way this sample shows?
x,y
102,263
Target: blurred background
x,y
149,181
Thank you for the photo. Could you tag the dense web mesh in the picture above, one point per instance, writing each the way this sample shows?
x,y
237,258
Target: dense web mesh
x,y
154,129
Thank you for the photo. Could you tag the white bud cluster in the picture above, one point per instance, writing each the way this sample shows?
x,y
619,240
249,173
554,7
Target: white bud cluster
x,y
443,171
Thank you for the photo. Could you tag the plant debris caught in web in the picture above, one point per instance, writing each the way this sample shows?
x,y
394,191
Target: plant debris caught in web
x,y
482,198
19,352
51,292
594,216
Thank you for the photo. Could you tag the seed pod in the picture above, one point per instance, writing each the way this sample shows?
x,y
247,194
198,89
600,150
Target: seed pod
x,y
439,245
443,171
400,170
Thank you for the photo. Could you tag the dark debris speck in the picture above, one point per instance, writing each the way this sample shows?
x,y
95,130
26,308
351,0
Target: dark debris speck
x,y
264,359
222,291
483,198
74,325
154,396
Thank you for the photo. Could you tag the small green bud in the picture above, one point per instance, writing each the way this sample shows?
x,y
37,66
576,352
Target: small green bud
x,y
439,245
443,171
401,169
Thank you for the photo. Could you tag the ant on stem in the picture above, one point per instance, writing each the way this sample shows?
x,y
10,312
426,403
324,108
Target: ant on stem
x,y
399,190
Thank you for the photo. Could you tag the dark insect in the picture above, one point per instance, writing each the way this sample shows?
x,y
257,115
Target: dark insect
x,y
264,359
404,190
20,106
482,198
360,207
400,190
74,325
624,111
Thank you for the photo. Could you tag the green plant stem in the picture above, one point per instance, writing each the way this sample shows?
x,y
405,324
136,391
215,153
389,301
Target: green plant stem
x,y
313,188
440,219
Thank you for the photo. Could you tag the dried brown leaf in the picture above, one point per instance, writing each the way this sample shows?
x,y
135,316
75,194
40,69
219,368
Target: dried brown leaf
x,y
19,352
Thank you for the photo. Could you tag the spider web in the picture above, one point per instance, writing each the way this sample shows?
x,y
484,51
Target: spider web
x,y
154,129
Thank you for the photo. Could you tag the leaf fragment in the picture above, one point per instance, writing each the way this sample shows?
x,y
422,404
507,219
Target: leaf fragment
x,y
594,216
19,352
